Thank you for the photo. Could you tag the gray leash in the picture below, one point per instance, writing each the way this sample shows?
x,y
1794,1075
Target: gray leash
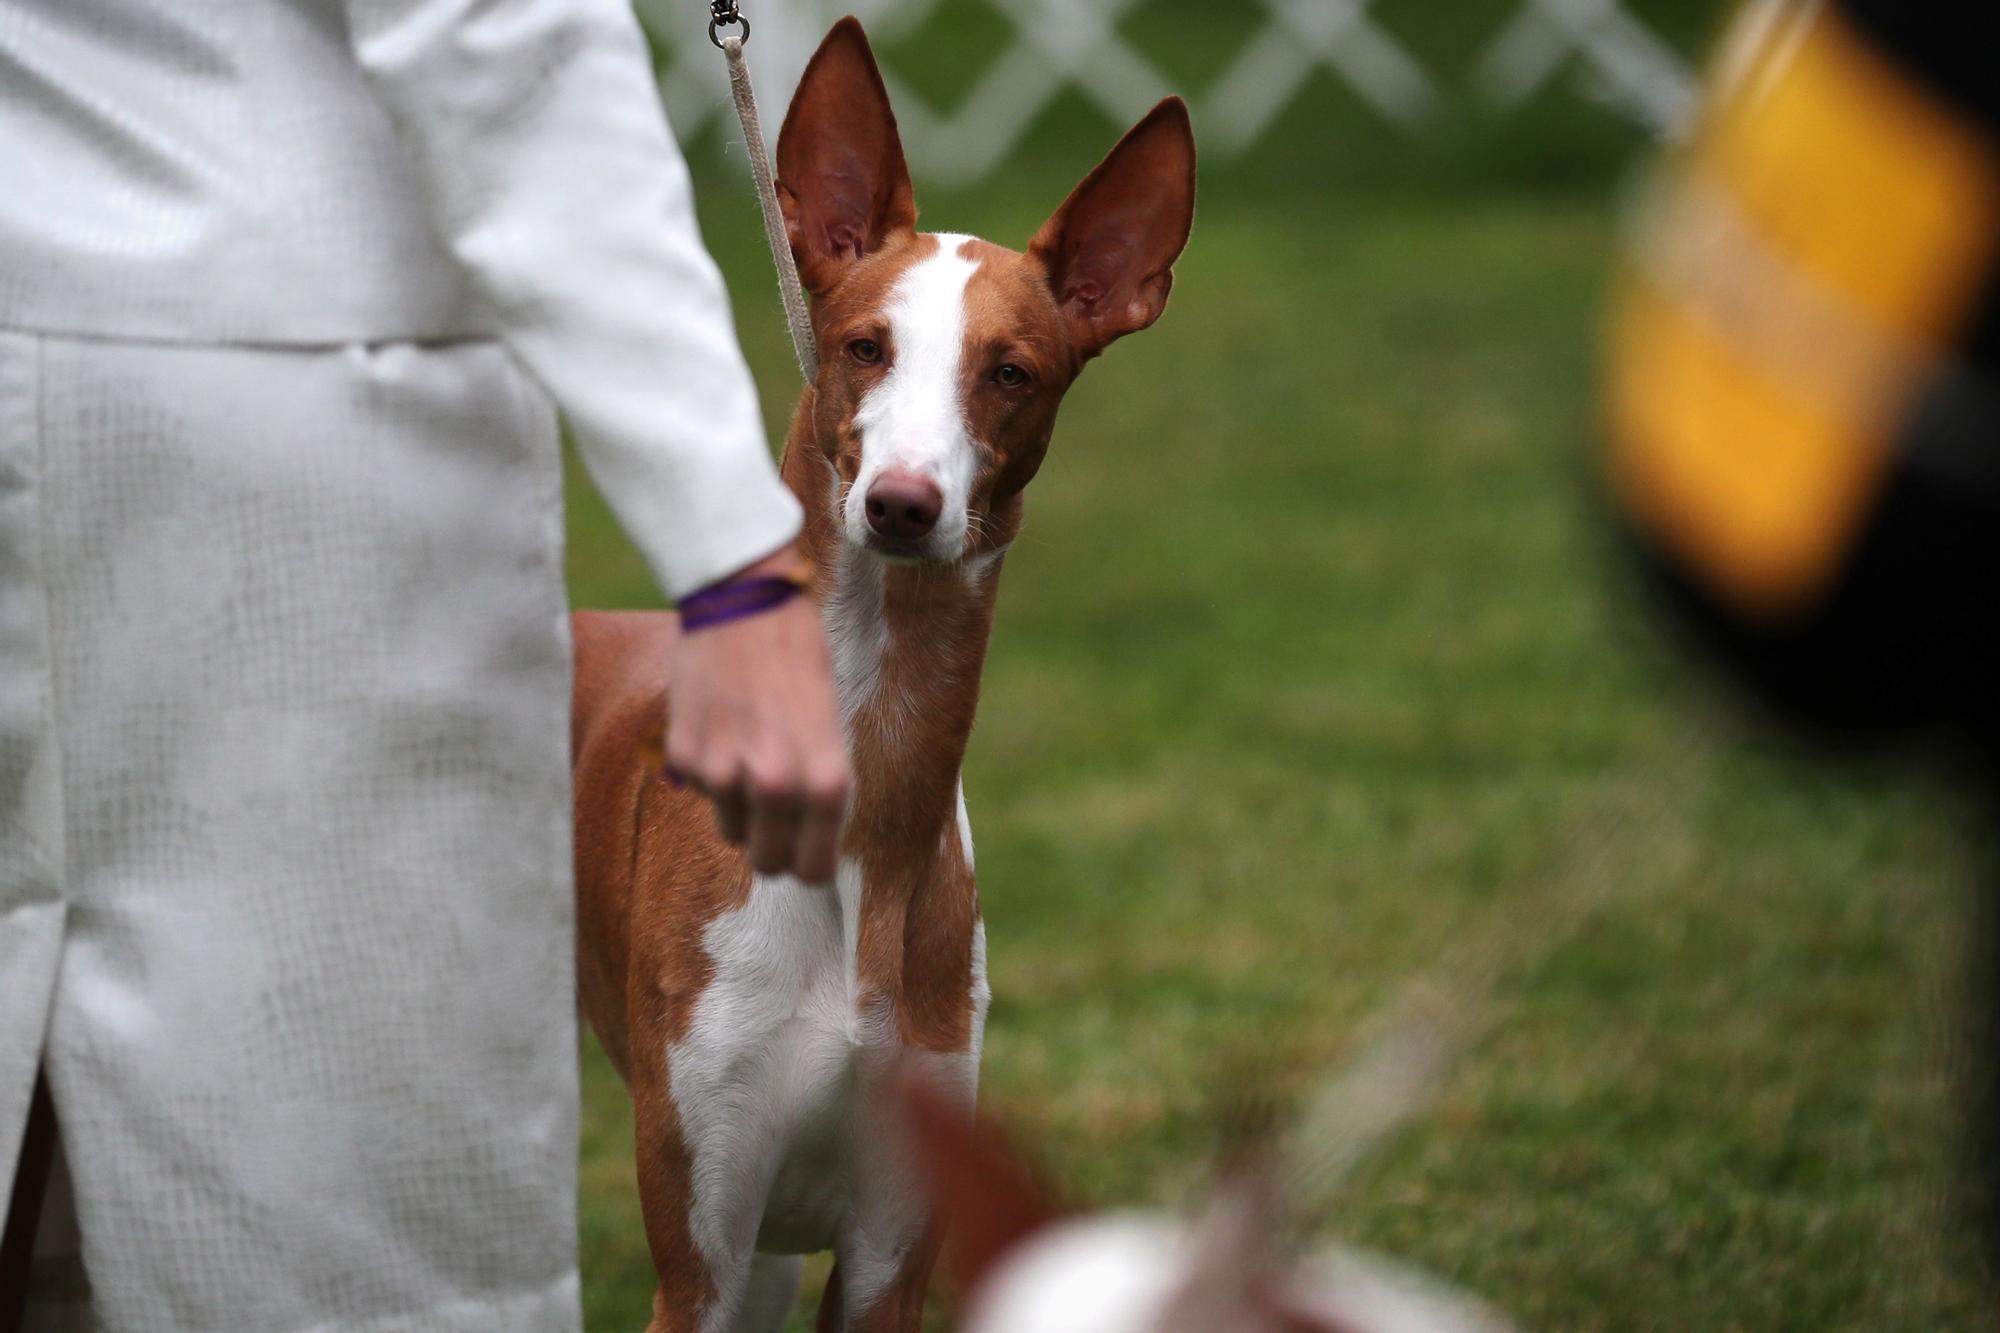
x,y
725,14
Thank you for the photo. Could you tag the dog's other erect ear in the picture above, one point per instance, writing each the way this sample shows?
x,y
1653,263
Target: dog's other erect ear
x,y
842,180
988,1199
1109,250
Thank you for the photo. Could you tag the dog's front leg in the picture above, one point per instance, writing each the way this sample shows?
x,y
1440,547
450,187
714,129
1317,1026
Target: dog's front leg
x,y
883,1257
888,1245
899,1308
702,1187
689,1293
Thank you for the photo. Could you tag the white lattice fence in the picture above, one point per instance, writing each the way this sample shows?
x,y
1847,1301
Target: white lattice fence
x,y
1056,45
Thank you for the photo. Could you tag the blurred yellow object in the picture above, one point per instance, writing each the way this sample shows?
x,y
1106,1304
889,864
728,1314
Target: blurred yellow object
x,y
1809,264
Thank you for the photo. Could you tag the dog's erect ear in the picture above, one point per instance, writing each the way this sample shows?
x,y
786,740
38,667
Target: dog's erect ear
x,y
842,180
1109,250
988,1199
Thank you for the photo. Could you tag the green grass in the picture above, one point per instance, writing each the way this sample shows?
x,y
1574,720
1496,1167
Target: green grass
x,y
1313,671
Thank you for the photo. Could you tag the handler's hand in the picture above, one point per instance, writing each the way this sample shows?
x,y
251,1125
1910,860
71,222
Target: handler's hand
x,y
752,725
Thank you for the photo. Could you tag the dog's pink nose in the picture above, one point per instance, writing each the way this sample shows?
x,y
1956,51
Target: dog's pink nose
x,y
903,506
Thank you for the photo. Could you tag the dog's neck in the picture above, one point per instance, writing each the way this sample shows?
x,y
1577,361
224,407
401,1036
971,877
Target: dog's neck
x,y
909,646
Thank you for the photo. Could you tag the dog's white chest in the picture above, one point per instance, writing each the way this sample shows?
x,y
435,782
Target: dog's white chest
x,y
778,1048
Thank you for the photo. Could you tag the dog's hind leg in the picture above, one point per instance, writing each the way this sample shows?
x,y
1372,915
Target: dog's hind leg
x,y
770,1292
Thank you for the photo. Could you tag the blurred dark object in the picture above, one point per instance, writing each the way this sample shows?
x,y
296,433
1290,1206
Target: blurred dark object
x,y
1805,397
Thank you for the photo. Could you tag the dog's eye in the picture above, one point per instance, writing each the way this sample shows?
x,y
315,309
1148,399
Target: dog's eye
x,y
865,350
1010,376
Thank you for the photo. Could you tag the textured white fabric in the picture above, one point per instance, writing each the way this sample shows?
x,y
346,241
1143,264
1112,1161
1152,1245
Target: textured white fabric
x,y
283,783
326,171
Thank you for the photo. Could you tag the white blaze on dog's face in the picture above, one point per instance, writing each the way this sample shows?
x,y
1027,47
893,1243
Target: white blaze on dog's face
x,y
943,358
911,420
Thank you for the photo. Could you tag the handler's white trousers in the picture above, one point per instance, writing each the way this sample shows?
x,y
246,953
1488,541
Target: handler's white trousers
x,y
284,829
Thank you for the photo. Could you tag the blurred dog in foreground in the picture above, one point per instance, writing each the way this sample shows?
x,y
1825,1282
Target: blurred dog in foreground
x,y
1021,1264
752,1016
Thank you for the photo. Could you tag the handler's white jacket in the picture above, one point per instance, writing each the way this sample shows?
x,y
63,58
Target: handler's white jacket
x,y
327,171
287,291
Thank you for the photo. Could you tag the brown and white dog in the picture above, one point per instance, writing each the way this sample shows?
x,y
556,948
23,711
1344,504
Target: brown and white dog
x,y
1022,1264
752,1015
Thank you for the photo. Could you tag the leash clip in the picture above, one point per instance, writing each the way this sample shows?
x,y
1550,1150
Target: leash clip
x,y
725,14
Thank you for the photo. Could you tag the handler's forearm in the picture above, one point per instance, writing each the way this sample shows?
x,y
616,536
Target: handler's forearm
x,y
550,173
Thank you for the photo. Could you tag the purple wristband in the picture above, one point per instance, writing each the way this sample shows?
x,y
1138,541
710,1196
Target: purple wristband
x,y
721,603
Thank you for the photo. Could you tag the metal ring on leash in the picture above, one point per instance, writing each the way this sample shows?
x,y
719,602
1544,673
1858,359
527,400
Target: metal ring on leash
x,y
724,14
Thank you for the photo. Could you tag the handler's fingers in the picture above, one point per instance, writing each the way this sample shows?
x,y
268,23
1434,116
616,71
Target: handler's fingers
x,y
732,815
726,789
819,828
775,811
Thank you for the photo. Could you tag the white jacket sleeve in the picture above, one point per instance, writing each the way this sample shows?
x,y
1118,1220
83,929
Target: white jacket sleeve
x,y
551,175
